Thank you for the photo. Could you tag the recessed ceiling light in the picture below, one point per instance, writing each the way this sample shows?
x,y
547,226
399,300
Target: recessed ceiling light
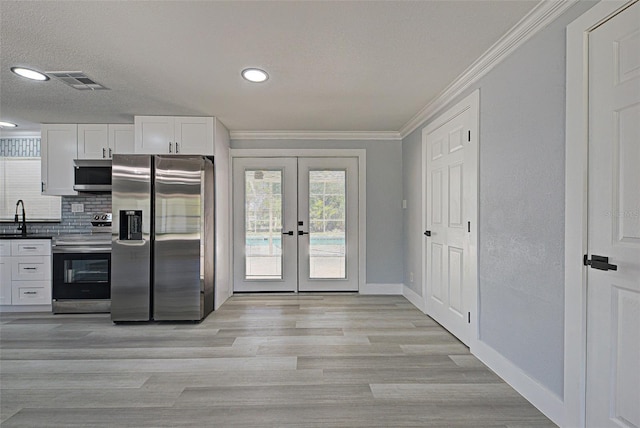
x,y
29,74
255,75
7,125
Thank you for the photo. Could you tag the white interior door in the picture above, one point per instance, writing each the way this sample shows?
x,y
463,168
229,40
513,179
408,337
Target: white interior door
x,y
613,293
451,212
265,224
295,224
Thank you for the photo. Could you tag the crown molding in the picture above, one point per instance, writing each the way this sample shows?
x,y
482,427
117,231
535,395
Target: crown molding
x,y
537,19
315,135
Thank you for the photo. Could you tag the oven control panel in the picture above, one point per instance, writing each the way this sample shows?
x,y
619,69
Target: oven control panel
x,y
101,220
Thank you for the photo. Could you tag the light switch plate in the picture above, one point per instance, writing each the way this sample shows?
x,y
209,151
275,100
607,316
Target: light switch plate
x,y
77,208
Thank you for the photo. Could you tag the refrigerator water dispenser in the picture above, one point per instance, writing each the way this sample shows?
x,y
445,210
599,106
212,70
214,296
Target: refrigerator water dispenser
x,y
130,225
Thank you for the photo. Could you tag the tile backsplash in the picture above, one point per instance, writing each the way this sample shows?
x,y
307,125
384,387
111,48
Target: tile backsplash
x,y
70,222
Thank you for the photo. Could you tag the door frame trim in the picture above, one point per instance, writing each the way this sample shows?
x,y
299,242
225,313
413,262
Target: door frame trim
x,y
576,192
361,155
470,102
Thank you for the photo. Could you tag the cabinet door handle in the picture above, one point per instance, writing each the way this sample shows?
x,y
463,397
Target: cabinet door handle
x,y
103,153
177,148
169,147
42,186
29,248
110,155
29,268
30,292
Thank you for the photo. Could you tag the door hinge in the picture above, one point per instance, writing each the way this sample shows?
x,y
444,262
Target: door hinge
x,y
469,136
469,317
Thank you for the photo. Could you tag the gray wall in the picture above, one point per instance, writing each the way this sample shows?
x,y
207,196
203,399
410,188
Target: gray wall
x,y
521,242
384,199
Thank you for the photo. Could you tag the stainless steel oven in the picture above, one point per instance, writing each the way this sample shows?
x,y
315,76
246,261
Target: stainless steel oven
x,y
82,271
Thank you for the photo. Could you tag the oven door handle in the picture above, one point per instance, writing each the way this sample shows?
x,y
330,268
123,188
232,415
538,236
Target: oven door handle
x,y
131,242
57,249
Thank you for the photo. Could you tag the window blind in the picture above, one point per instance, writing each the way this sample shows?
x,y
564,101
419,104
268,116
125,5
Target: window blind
x,y
20,179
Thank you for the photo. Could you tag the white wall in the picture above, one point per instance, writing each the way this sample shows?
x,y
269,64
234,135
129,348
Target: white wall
x,y
223,215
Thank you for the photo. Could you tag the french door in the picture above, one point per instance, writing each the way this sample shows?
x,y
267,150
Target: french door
x,y
295,224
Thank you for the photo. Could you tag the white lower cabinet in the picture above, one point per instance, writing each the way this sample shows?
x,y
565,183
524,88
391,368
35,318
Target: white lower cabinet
x,y
30,247
31,292
32,268
25,272
5,272
5,280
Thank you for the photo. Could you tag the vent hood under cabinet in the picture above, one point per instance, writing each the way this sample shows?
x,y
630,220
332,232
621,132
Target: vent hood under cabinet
x,y
92,175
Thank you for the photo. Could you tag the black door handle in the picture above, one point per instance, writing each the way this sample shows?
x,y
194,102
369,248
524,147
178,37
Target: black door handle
x,y
427,233
302,233
290,233
599,262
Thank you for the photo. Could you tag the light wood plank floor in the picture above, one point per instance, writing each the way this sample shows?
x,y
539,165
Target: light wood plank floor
x,y
303,360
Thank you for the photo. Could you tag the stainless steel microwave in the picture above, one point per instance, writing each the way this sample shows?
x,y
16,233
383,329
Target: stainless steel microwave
x,y
92,175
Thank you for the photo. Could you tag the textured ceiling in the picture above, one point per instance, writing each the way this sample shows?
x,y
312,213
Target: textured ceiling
x,y
333,66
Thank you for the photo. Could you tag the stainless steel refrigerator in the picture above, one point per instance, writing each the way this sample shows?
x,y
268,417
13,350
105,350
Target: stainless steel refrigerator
x,y
162,261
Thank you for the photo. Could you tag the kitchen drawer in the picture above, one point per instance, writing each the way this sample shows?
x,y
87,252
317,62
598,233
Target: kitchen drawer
x,y
35,268
31,293
5,247
30,247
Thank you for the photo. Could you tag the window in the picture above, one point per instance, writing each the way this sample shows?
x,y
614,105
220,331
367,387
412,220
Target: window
x,y
20,179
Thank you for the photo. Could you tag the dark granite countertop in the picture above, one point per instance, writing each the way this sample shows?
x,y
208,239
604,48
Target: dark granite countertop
x,y
27,236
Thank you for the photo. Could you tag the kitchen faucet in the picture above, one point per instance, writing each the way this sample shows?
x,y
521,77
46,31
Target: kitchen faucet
x,y
23,226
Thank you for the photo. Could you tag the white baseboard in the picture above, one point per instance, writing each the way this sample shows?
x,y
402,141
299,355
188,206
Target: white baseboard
x,y
386,289
543,399
414,298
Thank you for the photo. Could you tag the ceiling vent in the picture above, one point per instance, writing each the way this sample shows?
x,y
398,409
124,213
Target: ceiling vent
x,y
76,79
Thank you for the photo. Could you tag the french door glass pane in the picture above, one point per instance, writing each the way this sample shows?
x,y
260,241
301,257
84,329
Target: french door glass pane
x,y
327,231
263,224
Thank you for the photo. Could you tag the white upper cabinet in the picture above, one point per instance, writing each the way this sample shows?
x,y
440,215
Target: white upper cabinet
x,y
101,141
58,149
193,135
174,135
93,141
121,139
